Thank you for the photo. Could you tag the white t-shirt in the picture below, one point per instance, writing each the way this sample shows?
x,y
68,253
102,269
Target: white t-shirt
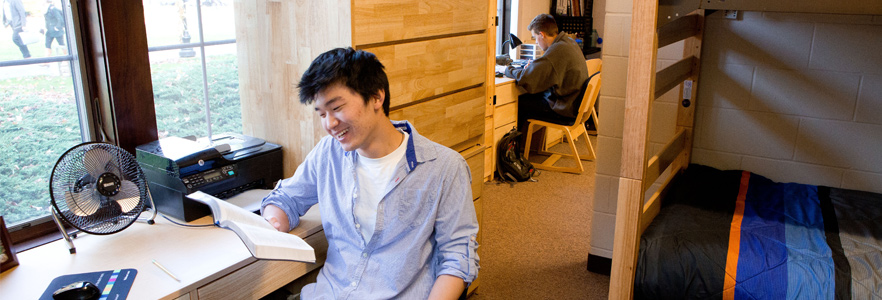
x,y
374,175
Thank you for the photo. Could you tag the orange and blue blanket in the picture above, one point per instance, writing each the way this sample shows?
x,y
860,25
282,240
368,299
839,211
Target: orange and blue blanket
x,y
739,235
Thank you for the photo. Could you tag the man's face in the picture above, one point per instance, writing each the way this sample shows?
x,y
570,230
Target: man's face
x,y
541,39
347,118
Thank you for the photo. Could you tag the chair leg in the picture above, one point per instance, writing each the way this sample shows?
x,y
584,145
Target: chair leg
x,y
579,168
596,120
590,147
529,139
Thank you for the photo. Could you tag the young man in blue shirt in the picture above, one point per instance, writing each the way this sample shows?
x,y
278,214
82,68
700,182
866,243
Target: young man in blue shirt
x,y
396,207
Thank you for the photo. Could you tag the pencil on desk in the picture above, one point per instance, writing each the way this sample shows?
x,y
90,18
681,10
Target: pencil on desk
x,y
165,270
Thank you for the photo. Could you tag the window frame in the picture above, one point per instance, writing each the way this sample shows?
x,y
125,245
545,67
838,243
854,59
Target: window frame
x,y
117,86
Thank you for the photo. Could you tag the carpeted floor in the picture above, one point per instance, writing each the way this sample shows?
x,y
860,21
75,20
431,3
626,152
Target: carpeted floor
x,y
536,238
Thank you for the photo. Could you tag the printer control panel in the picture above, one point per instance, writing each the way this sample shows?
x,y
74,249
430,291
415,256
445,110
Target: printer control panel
x,y
210,176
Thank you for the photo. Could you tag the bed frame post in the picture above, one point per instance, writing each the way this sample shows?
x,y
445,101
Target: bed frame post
x,y
639,95
686,113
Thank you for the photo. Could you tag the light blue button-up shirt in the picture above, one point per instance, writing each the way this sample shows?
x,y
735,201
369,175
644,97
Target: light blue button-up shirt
x,y
426,221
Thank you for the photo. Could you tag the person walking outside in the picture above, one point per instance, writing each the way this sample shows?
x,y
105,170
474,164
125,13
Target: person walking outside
x,y
14,16
54,27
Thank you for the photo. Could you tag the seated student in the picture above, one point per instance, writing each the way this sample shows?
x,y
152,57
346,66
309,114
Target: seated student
x,y
554,83
396,207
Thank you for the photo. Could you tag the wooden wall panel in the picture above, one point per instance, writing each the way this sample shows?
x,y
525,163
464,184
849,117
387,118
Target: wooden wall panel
x,y
425,69
455,121
474,157
276,41
377,21
489,147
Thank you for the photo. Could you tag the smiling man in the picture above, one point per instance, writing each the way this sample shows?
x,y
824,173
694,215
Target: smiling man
x,y
396,207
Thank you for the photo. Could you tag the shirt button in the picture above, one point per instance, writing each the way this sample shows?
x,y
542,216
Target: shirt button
x,y
364,255
352,284
357,226
355,195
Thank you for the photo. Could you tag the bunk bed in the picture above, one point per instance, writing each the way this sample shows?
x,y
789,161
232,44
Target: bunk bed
x,y
656,24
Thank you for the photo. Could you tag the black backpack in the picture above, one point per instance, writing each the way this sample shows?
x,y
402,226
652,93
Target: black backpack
x,y
511,164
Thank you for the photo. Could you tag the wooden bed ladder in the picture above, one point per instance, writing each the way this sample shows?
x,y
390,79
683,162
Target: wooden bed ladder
x,y
653,26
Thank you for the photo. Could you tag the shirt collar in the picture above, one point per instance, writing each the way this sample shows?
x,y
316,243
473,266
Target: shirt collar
x,y
419,149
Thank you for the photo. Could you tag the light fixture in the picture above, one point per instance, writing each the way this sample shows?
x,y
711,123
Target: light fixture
x,y
514,42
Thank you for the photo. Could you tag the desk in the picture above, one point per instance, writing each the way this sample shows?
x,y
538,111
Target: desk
x,y
211,262
502,115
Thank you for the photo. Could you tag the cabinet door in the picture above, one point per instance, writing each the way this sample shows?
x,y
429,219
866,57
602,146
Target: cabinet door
x,y
424,69
455,120
377,21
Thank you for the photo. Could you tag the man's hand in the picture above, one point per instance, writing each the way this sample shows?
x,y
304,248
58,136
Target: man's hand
x,y
276,217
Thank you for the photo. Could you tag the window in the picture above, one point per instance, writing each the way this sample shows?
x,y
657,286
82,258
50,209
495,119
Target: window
x,y
43,111
193,76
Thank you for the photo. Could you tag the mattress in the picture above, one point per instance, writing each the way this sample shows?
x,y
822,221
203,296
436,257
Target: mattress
x,y
738,235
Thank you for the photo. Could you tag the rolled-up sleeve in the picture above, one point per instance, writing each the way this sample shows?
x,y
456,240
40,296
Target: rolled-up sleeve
x,y
456,226
295,195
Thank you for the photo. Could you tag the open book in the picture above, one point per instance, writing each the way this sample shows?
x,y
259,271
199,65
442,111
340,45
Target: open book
x,y
264,241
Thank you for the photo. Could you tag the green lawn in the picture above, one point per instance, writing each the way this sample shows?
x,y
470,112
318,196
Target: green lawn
x,y
38,123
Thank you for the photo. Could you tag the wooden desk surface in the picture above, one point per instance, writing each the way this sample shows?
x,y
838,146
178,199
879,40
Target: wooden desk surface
x,y
503,80
197,256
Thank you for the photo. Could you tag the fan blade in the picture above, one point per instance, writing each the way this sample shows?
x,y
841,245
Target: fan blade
x,y
83,203
96,160
128,197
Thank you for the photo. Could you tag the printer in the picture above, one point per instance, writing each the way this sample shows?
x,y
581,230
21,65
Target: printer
x,y
227,165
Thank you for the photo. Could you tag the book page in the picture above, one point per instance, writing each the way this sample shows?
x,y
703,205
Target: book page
x,y
272,244
264,241
224,211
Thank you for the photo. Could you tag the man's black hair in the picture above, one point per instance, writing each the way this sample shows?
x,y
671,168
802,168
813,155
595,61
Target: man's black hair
x,y
358,70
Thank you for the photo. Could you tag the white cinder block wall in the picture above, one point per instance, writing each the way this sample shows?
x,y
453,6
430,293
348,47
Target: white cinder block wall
x,y
793,97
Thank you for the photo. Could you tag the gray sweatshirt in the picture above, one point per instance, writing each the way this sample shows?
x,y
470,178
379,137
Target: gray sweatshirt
x,y
559,74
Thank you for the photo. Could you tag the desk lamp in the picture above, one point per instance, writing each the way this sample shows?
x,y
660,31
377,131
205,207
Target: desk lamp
x,y
504,59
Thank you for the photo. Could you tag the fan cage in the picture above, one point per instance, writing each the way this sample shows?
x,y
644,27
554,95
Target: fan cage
x,y
71,175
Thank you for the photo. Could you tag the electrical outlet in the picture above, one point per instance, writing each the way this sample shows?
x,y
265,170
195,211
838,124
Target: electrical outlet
x,y
731,14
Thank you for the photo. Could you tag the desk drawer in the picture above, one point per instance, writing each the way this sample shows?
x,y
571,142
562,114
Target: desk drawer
x,y
506,93
505,114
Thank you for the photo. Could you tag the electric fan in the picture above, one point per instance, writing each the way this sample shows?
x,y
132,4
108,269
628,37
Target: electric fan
x,y
97,188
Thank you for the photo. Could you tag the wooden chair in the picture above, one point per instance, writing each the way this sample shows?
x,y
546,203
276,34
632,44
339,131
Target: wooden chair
x,y
576,130
594,66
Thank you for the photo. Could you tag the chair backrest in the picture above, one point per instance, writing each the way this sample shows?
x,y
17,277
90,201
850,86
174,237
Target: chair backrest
x,y
588,99
594,65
